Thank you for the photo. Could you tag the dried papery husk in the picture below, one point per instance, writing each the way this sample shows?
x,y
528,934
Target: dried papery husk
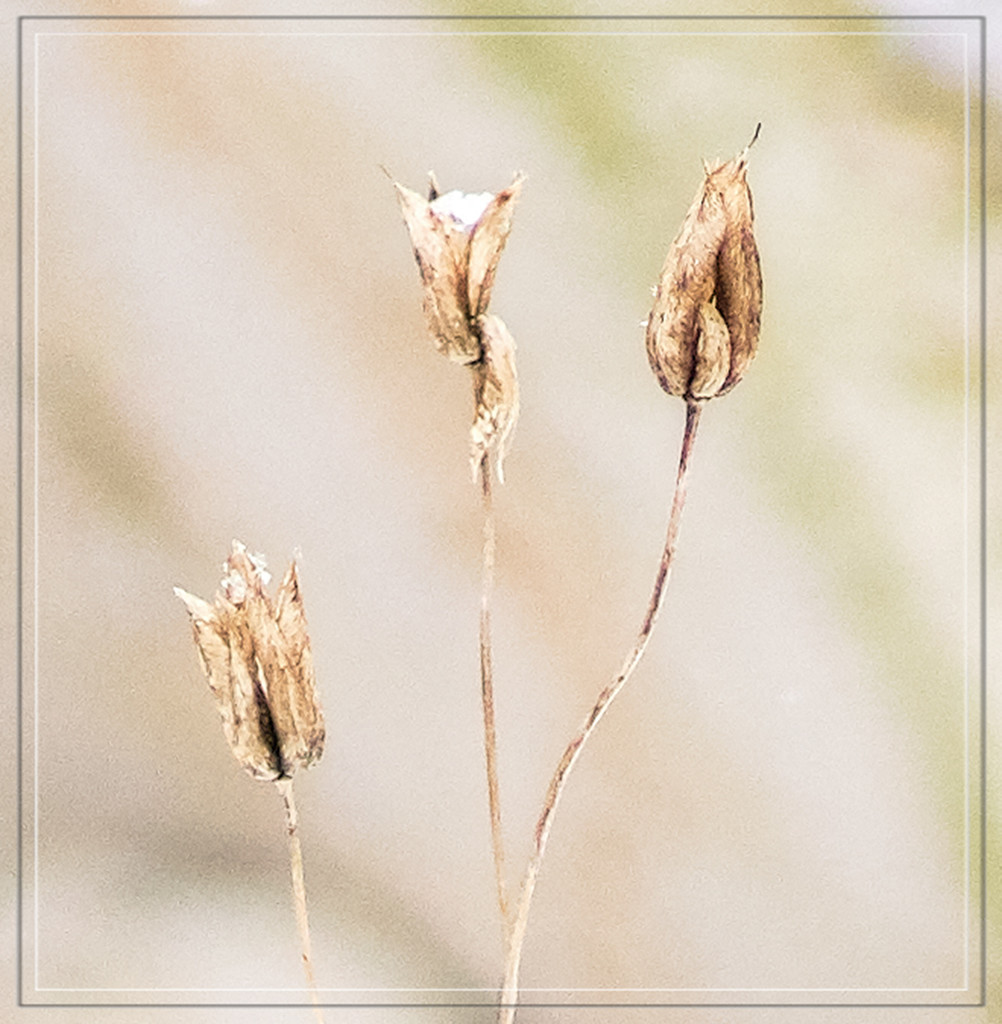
x,y
486,245
292,692
739,273
282,653
226,652
458,261
703,328
713,353
258,664
495,390
442,256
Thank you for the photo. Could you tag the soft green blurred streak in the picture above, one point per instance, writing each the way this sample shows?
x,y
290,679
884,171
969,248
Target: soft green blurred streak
x,y
552,73
81,410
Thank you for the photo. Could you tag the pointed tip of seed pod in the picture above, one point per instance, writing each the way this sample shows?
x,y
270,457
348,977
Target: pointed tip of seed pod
x,y
238,551
258,563
510,192
411,203
197,608
290,581
742,158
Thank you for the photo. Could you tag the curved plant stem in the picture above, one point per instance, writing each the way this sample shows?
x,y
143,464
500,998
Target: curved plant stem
x,y
509,992
487,693
284,786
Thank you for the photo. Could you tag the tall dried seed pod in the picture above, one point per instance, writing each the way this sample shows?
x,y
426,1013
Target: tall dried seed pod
x,y
257,659
703,328
457,240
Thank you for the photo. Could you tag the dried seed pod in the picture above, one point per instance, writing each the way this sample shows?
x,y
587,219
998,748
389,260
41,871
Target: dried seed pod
x,y
703,328
495,391
457,240
256,657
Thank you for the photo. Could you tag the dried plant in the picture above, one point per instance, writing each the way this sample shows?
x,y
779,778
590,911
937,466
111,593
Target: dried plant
x,y
256,656
701,334
458,238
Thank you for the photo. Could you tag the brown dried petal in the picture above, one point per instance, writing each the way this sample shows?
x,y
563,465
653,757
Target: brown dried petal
x,y
713,353
739,272
711,279
688,280
227,660
442,255
495,388
288,666
486,245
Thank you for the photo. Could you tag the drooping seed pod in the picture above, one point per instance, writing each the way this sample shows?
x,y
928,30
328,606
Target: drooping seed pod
x,y
495,392
458,239
704,325
257,659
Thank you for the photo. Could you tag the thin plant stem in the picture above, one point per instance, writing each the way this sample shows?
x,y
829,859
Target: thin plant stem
x,y
487,693
509,992
284,786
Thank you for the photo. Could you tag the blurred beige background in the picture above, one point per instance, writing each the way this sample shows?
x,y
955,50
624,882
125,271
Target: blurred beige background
x,y
223,338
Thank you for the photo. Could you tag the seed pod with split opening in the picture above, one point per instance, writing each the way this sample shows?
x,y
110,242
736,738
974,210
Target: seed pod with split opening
x,y
703,328
457,240
256,657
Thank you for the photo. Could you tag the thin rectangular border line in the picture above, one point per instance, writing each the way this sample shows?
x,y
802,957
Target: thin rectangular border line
x,y
963,36
503,32
622,34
